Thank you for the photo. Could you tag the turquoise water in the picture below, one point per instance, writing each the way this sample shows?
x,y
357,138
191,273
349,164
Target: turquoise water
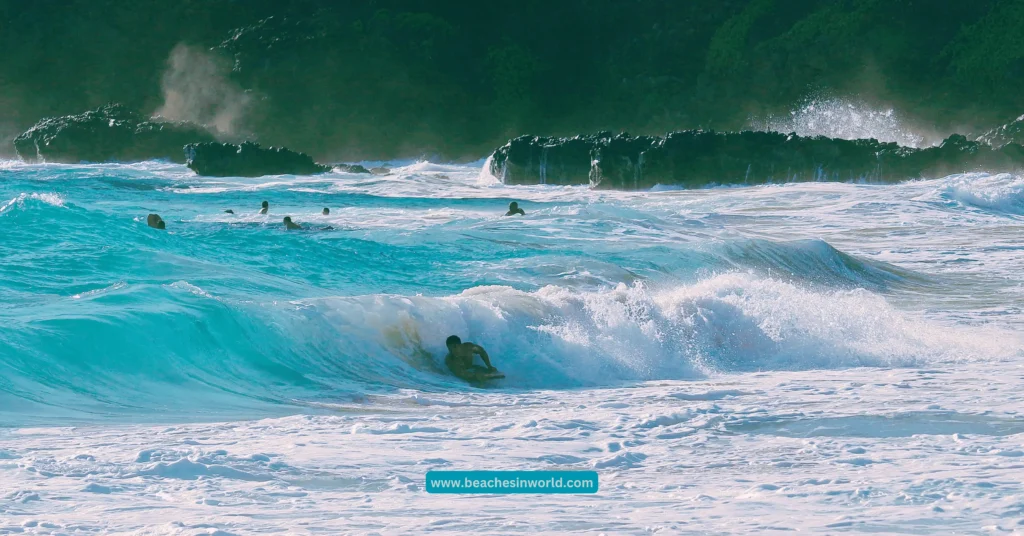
x,y
229,315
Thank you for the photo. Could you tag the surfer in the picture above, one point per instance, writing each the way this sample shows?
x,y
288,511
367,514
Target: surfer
x,y
289,225
326,211
460,358
266,206
513,209
155,221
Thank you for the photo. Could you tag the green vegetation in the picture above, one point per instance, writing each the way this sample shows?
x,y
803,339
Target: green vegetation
x,y
388,78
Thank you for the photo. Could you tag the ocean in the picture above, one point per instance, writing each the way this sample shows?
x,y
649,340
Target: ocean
x,y
820,356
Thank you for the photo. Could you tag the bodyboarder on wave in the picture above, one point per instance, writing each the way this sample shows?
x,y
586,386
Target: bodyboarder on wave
x,y
460,359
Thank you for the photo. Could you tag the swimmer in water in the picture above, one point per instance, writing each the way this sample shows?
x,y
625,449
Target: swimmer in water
x,y
155,221
460,357
289,225
326,211
513,210
266,206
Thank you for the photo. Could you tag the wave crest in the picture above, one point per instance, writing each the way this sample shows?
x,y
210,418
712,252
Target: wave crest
x,y
48,198
205,354
1001,193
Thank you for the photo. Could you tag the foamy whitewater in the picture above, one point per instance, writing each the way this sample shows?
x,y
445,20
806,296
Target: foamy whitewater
x,y
820,357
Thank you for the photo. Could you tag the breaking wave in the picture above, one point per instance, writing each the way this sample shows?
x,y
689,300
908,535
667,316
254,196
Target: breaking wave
x,y
1001,193
198,353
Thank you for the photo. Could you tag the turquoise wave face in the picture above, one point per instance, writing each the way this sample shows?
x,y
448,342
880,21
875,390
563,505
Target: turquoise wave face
x,y
229,315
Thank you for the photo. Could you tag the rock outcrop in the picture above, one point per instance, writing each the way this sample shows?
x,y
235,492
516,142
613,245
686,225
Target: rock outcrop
x,y
351,168
248,160
110,133
696,158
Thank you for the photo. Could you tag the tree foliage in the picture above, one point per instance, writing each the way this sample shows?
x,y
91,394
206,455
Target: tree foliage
x,y
388,78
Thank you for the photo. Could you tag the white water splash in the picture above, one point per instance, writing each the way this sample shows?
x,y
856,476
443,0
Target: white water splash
x,y
1002,192
49,198
843,119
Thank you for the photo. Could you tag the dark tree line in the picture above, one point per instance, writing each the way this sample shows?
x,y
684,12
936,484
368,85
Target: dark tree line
x,y
389,78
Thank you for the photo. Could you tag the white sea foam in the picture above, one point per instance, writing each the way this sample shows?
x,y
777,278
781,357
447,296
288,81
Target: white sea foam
x,y
868,450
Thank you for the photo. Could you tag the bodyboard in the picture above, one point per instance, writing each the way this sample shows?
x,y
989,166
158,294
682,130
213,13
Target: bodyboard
x,y
477,374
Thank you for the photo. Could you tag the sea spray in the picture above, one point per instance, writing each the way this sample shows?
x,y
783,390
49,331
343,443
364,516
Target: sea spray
x,y
847,119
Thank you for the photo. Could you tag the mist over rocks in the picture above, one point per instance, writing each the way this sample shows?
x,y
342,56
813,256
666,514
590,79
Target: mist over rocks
x,y
113,133
197,88
696,158
1012,132
110,133
248,159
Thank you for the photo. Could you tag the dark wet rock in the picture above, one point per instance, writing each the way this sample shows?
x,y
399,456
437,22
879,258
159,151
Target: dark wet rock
x,y
543,160
110,133
248,160
696,158
351,168
1012,132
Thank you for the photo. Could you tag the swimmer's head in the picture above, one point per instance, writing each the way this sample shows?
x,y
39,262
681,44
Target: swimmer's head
x,y
454,340
265,205
287,219
513,205
326,211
